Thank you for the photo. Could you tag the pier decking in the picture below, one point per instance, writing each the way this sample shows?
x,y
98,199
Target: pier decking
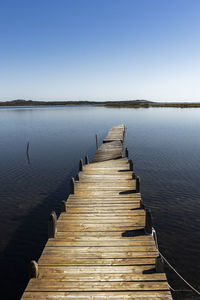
x,y
101,249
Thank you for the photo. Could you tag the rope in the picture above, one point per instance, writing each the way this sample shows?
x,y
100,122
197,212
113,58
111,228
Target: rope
x,y
156,241
177,290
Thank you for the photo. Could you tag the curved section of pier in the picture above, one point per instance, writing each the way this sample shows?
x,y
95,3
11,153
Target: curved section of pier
x,y
101,247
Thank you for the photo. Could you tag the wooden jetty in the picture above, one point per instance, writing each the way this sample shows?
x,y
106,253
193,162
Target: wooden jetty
x,y
101,246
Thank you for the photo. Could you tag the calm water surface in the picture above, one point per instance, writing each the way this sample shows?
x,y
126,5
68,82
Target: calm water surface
x,y
165,146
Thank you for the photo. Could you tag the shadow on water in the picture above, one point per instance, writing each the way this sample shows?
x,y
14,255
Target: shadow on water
x,y
27,244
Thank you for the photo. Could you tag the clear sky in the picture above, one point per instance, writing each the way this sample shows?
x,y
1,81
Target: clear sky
x,y
100,50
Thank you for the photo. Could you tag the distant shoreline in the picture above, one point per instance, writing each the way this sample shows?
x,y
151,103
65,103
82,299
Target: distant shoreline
x,y
113,104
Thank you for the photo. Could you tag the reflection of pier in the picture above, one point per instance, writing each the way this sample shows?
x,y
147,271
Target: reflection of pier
x,y
102,246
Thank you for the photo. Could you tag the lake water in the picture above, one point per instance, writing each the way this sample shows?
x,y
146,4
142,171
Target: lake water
x,y
164,144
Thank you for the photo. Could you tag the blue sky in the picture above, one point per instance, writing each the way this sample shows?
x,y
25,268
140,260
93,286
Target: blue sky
x,y
100,50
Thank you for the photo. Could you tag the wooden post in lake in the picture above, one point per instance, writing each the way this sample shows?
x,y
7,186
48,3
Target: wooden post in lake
x,y
159,264
137,184
131,164
33,269
148,221
63,206
96,141
126,152
27,148
27,152
86,160
134,175
52,225
72,186
81,165
142,204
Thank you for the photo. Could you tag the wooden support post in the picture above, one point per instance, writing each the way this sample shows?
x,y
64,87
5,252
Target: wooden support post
x,y
96,140
137,184
77,177
27,148
27,152
52,225
148,222
131,164
159,265
81,165
126,152
134,176
86,160
142,204
72,186
63,206
33,269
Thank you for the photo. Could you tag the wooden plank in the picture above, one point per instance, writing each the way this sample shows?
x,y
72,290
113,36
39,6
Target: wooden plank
x,y
63,270
101,227
95,261
100,236
158,295
111,197
96,249
51,255
122,211
39,284
95,243
135,213
46,274
91,235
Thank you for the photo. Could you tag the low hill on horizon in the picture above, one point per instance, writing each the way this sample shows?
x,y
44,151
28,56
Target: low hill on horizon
x,y
123,103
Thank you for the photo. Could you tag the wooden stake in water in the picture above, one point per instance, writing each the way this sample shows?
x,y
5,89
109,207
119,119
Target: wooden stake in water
x,y
126,152
86,160
63,206
159,265
131,164
96,141
27,147
81,165
148,221
137,184
72,186
142,206
27,152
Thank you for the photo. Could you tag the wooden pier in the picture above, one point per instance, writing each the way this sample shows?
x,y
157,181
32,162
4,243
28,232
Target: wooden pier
x,y
102,246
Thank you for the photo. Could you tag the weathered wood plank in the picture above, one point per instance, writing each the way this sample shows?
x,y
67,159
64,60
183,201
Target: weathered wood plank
x,y
63,270
39,284
45,274
150,295
95,243
96,261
